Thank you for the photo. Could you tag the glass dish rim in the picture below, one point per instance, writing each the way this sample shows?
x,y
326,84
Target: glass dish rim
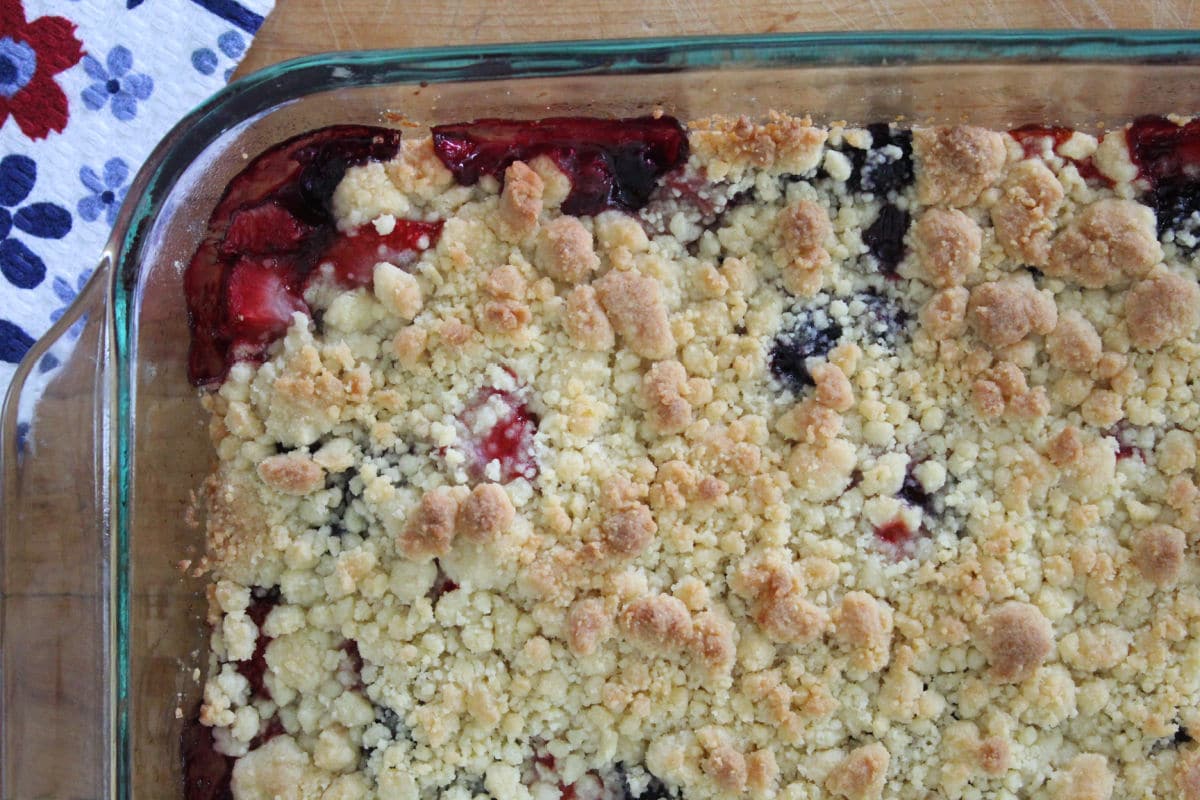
x,y
244,100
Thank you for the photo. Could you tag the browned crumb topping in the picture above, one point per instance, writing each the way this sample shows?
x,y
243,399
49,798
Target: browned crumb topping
x,y
793,521
1015,638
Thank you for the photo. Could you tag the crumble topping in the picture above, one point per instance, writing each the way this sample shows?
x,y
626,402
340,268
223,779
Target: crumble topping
x,y
838,463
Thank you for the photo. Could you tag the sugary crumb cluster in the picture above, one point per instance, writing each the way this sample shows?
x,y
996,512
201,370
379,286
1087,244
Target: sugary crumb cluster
x,y
855,463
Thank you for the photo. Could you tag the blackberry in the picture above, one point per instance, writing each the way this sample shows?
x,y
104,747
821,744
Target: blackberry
x,y
804,339
885,238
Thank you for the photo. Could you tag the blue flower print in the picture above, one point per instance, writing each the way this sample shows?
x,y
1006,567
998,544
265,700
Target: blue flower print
x,y
18,64
114,80
21,266
66,293
14,342
230,43
107,191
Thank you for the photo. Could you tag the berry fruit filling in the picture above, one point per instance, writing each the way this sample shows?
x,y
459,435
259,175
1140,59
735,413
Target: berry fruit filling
x,y
612,163
269,231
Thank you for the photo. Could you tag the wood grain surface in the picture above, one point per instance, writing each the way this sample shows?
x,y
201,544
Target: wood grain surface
x,y
301,27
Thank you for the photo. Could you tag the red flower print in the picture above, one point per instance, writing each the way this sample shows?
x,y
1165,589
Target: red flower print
x,y
31,54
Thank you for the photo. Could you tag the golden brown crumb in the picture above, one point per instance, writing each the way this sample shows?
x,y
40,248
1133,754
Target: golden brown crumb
x,y
762,771
779,605
1109,241
588,625
727,767
662,392
833,387
987,398
946,243
635,308
431,527
1015,638
809,421
1065,449
1074,343
955,164
409,345
1023,217
565,250
485,513
861,774
626,533
804,228
455,332
945,315
585,321
713,640
1187,774
504,316
520,202
1161,308
1085,777
1158,552
292,473
1005,312
657,623
994,755
782,144
865,625
505,282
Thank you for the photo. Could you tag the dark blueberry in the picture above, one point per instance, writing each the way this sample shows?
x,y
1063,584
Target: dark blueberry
x,y
884,320
788,359
655,789
1180,737
887,166
913,493
884,169
389,719
885,237
1177,208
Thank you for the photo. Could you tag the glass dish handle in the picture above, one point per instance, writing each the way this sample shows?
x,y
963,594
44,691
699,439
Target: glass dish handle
x,y
55,550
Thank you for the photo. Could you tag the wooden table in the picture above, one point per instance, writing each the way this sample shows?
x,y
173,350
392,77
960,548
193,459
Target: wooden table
x,y
300,27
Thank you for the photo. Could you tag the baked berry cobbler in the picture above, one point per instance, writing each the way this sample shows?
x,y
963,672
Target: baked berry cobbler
x,y
626,459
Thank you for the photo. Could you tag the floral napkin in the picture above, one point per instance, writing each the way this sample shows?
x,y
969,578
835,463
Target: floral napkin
x,y
87,88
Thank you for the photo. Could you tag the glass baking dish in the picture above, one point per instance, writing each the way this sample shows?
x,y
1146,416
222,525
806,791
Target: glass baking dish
x,y
101,630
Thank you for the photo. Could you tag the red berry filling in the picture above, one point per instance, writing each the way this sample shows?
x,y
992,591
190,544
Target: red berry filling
x,y
355,255
612,163
1031,137
1168,159
895,532
268,233
507,439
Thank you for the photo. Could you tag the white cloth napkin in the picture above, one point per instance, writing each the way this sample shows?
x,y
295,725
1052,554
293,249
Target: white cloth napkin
x,y
87,88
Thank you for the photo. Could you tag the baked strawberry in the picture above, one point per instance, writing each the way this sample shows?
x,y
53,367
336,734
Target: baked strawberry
x,y
265,229
355,254
259,301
